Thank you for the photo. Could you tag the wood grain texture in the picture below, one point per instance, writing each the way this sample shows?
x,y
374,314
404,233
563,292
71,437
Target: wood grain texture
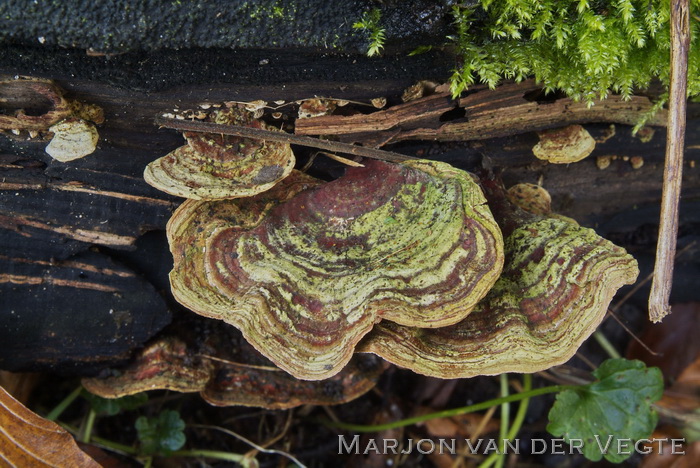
x,y
508,110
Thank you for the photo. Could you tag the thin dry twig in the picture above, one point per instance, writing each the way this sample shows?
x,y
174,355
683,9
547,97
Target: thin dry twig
x,y
633,335
282,137
276,438
673,169
340,159
639,285
251,443
240,364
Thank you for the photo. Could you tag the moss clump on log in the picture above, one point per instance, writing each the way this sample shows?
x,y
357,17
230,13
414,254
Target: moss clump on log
x,y
585,49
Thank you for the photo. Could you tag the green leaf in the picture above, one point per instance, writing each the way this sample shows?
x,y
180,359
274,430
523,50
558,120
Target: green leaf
x,y
610,414
112,406
161,435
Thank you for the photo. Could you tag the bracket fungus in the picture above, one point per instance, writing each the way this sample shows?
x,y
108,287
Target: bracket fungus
x,y
72,139
163,365
305,280
530,197
228,372
564,145
213,166
557,283
40,106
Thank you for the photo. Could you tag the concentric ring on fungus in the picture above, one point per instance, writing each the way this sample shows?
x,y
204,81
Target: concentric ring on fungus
x,y
555,289
305,280
212,167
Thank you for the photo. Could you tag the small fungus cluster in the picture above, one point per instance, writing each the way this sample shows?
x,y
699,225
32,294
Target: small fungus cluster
x,y
564,145
420,263
211,167
234,376
70,125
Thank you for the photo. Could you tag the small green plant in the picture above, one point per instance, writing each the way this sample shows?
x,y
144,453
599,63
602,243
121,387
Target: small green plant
x,y
605,413
614,409
114,406
370,24
161,435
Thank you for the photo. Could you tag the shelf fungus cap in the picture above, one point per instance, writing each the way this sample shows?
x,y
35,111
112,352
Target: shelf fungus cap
x,y
531,197
564,145
211,166
306,280
170,364
163,365
554,291
72,139
272,388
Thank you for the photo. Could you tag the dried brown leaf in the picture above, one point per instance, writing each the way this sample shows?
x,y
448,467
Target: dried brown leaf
x,y
664,458
27,440
674,340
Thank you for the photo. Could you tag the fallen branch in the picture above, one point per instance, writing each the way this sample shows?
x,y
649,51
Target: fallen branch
x,y
407,114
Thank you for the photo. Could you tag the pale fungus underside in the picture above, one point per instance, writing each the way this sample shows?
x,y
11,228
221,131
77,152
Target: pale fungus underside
x,y
73,139
212,166
556,286
305,280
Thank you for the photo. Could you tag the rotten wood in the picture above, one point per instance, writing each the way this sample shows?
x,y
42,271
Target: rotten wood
x,y
673,169
18,96
507,110
429,108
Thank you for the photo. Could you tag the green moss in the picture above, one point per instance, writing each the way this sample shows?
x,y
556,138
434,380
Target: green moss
x,y
369,23
586,49
275,10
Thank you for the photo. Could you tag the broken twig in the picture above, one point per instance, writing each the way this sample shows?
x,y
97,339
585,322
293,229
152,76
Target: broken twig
x,y
673,170
246,132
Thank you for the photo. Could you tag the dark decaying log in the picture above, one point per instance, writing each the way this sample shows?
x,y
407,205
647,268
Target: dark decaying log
x,y
64,315
75,242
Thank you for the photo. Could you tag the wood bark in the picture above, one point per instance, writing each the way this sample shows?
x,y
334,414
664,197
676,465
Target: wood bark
x,y
511,109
